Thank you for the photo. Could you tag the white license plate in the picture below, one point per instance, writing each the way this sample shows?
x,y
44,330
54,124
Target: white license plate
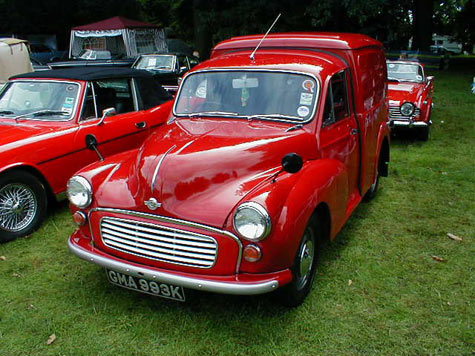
x,y
142,285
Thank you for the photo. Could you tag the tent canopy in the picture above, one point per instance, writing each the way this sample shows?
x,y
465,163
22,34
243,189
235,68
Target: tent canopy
x,y
114,23
116,38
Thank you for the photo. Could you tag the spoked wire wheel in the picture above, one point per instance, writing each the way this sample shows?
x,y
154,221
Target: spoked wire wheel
x,y
18,207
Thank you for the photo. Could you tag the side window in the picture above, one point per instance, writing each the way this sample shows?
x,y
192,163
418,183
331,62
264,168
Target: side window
x,y
89,108
150,93
193,61
336,104
114,93
182,62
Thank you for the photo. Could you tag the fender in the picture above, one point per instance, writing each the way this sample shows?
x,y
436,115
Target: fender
x,y
291,201
33,169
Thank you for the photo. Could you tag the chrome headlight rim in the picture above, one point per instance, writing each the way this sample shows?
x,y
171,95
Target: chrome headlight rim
x,y
87,189
256,207
407,104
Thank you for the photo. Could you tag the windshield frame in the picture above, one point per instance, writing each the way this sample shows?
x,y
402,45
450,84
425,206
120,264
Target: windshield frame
x,y
256,116
45,118
407,80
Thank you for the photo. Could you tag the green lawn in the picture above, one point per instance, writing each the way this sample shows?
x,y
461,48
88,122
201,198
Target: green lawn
x,y
400,302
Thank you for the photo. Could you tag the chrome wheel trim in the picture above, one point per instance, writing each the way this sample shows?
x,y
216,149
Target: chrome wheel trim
x,y
306,258
18,207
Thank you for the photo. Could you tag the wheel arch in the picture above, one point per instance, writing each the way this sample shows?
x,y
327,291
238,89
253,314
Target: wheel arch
x,y
36,173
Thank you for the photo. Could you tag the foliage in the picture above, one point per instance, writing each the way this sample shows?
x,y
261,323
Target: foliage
x,y
400,301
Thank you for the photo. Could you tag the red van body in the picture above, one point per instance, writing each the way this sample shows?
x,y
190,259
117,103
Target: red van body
x,y
233,199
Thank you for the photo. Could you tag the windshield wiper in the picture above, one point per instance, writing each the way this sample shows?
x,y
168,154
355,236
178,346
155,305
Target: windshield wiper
x,y
213,113
295,127
394,79
268,116
42,113
7,112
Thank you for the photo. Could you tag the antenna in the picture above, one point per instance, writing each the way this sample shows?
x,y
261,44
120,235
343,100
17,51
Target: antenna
x,y
252,56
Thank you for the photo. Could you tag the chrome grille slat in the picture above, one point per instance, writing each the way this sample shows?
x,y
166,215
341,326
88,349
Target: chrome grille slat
x,y
164,231
154,255
395,113
157,250
159,242
144,242
107,227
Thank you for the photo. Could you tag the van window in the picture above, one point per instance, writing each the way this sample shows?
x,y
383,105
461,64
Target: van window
x,y
336,104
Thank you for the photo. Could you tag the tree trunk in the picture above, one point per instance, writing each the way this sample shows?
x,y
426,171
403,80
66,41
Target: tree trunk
x,y
423,11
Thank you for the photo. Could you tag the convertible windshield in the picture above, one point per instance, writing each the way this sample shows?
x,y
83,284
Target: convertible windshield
x,y
162,62
41,100
253,94
405,72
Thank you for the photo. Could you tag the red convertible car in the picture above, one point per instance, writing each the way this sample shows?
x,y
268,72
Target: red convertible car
x,y
265,155
53,123
410,95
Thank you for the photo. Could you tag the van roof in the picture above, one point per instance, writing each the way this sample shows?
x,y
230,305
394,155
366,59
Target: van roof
x,y
342,41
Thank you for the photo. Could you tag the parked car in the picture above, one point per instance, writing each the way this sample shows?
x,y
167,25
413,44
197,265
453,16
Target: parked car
x,y
48,119
167,67
410,94
44,54
264,156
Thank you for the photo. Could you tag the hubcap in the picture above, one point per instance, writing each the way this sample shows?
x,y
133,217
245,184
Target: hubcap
x,y
18,207
306,254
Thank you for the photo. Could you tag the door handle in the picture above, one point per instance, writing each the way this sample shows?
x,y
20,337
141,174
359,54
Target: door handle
x,y
141,125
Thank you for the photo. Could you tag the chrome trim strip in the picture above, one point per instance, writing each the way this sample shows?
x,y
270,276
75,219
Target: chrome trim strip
x,y
157,169
173,221
141,244
408,123
235,288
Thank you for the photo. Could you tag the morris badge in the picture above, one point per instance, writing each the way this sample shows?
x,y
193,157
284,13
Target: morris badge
x,y
153,204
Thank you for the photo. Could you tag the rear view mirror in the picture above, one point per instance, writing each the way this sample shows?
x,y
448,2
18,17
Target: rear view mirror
x,y
106,113
245,83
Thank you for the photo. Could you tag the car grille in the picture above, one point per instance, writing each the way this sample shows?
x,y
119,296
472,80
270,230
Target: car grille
x,y
159,242
395,113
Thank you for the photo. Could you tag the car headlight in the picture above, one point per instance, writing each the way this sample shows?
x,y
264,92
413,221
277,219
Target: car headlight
x,y
252,221
407,109
79,192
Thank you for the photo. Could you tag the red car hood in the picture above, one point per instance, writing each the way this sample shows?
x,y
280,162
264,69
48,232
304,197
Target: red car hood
x,y
210,166
404,91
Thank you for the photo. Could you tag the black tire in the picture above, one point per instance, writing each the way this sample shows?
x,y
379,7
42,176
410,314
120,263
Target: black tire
x,y
294,293
424,133
373,190
23,204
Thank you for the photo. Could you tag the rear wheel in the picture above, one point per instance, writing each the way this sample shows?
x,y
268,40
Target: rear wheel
x,y
303,270
22,205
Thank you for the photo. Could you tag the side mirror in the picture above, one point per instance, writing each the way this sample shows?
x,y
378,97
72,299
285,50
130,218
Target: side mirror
x,y
182,70
292,163
91,144
106,113
430,78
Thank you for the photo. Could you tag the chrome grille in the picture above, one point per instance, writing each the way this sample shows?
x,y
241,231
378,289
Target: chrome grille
x,y
395,113
159,242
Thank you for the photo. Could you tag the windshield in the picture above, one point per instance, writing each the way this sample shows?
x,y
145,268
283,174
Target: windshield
x,y
405,72
252,94
42,100
155,63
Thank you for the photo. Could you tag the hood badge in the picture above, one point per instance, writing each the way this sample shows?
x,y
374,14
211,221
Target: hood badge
x,y
153,204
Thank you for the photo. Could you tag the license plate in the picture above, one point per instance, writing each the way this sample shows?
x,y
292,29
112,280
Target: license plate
x,y
159,289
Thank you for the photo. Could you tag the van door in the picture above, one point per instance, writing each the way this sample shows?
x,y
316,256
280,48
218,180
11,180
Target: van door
x,y
339,134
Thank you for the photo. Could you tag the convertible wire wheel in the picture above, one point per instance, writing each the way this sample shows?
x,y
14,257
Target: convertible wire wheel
x,y
18,207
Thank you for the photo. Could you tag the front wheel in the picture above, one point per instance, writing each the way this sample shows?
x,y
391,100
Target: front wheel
x,y
303,270
23,205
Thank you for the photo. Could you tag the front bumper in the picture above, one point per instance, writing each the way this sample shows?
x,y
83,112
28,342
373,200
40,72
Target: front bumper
x,y
408,123
239,284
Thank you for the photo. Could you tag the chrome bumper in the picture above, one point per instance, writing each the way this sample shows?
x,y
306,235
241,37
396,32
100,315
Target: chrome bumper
x,y
408,123
186,282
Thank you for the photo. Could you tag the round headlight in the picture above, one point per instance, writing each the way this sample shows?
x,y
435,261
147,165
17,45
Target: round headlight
x,y
79,192
252,221
407,109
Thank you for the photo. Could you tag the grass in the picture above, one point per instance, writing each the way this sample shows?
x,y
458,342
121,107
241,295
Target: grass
x,y
400,302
